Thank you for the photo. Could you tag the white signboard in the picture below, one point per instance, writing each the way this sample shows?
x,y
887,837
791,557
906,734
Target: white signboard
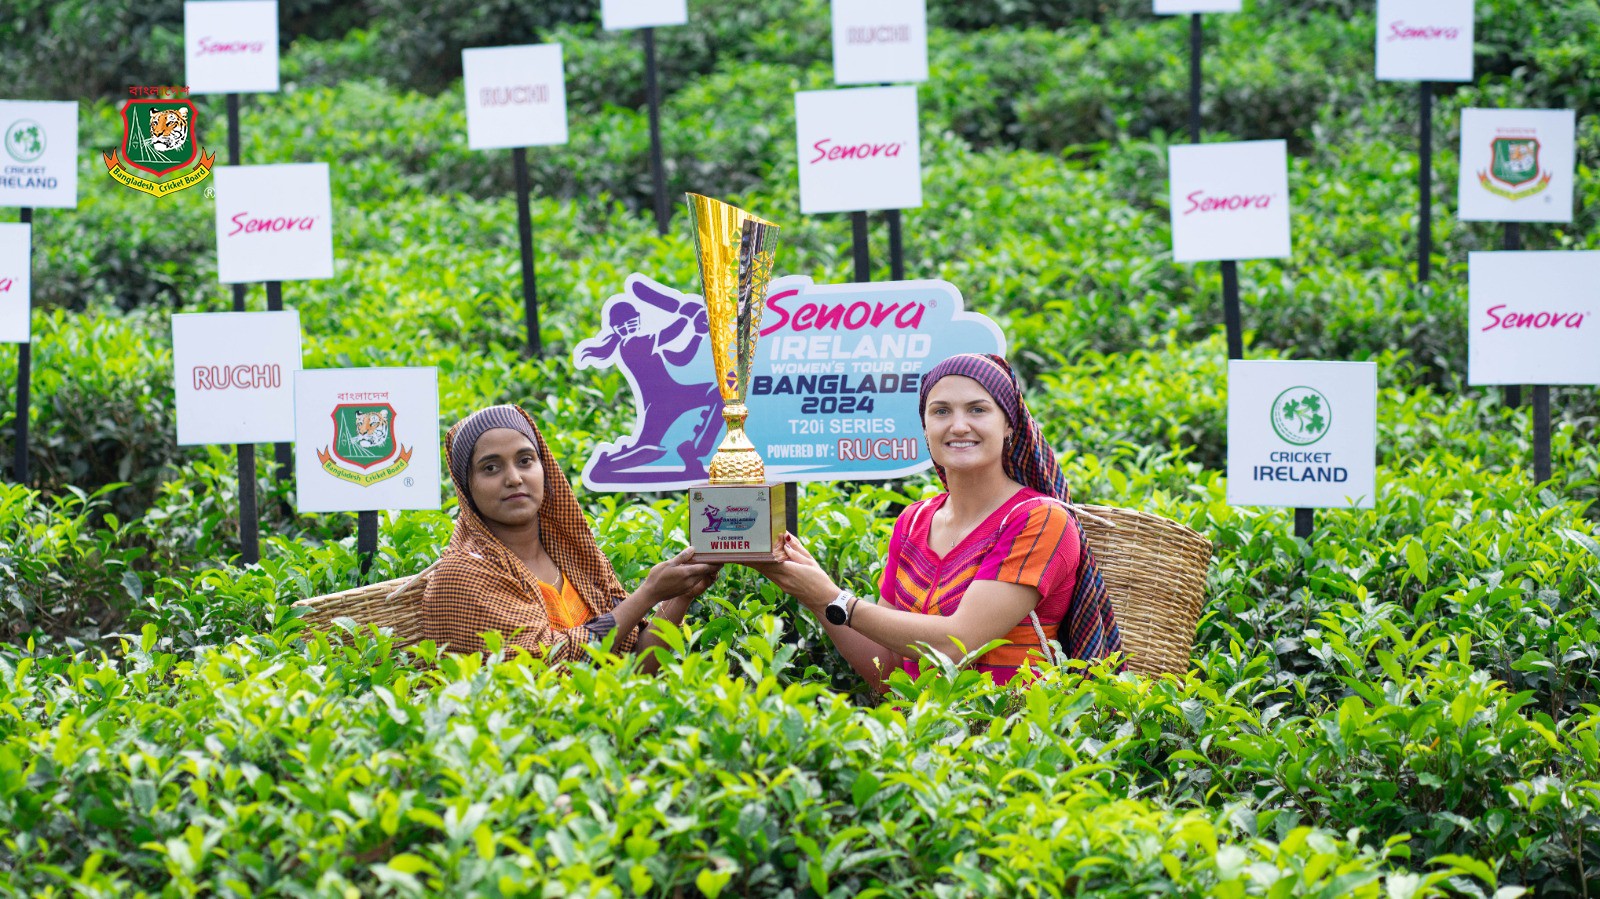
x,y
39,156
1425,40
1302,434
231,46
234,376
1229,200
1516,165
366,439
274,222
16,290
859,149
616,15
1533,317
875,41
1178,7
516,96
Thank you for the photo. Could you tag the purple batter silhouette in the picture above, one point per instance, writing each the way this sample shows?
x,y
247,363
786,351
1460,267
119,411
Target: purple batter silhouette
x,y
713,519
664,400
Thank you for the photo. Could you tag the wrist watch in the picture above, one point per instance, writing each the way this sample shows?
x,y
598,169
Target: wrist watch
x,y
836,612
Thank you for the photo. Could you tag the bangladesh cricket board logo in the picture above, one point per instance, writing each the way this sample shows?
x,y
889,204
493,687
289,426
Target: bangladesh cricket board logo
x,y
364,438
1301,415
1514,168
158,138
25,140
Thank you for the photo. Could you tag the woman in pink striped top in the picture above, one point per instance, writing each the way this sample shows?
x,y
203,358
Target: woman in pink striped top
x,y
998,556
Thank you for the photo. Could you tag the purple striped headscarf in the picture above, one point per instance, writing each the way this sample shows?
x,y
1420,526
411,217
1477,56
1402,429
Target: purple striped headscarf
x,y
1089,630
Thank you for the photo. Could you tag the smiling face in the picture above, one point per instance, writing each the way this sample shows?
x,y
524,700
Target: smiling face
x,y
507,481
965,427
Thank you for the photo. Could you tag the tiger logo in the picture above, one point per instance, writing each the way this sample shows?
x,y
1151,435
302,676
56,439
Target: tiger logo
x,y
169,128
372,428
1520,158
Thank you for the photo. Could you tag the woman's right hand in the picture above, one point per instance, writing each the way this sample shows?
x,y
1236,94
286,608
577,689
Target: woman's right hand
x,y
680,578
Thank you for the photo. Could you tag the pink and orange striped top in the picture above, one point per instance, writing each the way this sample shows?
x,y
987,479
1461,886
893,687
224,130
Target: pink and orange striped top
x,y
1030,540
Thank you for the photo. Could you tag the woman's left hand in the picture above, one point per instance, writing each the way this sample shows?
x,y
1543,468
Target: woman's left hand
x,y
800,576
680,578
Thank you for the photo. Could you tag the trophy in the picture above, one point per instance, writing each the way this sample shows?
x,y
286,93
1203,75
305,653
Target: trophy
x,y
739,515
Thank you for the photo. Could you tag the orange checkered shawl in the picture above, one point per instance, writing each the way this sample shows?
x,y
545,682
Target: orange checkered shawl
x,y
479,585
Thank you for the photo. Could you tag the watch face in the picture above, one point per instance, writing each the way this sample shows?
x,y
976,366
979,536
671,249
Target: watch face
x,y
835,614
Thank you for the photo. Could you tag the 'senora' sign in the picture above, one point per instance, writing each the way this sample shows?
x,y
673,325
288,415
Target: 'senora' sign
x,y
274,222
1533,317
16,284
617,15
1425,40
859,149
233,373
1516,165
366,439
1179,7
1302,434
38,153
878,41
1229,200
833,388
231,46
516,96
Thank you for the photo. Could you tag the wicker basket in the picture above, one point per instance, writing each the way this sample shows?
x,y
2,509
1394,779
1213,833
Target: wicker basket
x,y
1155,573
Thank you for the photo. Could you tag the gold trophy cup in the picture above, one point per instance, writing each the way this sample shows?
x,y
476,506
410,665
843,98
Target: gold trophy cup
x,y
739,515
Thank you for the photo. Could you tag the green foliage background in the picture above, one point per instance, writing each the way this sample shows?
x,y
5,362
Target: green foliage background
x,y
1407,704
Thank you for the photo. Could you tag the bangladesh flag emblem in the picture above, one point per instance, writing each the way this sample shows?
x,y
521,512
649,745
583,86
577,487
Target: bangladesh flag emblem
x,y
1301,415
158,139
364,439
1514,168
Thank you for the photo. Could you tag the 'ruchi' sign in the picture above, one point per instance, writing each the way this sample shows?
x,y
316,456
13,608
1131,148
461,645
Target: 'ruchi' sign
x,y
833,390
618,15
858,149
1229,200
233,374
516,96
1302,434
1180,7
1533,317
366,439
877,41
38,153
16,303
1516,165
231,46
274,223
1425,40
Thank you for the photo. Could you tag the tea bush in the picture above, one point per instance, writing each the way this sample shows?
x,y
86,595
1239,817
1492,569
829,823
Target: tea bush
x,y
1405,704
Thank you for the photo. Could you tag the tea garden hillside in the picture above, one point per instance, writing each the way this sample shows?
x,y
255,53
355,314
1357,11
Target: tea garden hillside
x,y
1406,703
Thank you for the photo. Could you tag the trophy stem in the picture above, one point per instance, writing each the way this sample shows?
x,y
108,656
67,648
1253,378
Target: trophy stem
x,y
736,461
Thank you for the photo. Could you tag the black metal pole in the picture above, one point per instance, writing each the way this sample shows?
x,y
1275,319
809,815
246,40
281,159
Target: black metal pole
x,y
1195,42
1512,240
897,252
1230,308
281,452
530,288
858,235
233,159
1541,433
657,168
1304,522
366,538
1425,185
19,459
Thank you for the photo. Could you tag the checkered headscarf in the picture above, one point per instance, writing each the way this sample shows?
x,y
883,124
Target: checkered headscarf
x,y
1091,629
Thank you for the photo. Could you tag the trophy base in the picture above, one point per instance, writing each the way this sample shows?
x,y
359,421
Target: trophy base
x,y
737,522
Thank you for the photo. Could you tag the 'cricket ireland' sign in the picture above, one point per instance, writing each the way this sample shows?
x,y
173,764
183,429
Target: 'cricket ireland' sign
x,y
1302,434
1516,165
38,153
367,439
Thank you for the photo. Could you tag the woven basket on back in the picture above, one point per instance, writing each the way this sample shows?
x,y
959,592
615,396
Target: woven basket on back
x,y
1155,573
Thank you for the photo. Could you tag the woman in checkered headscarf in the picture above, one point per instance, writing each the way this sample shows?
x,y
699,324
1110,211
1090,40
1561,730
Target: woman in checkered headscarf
x,y
522,560
1000,555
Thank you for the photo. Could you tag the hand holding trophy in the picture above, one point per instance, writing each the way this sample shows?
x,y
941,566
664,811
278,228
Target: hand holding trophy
x,y
738,516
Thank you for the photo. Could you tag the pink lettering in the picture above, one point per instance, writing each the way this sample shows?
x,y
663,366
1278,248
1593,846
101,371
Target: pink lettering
x,y
857,151
1400,31
240,377
1534,320
515,95
242,222
1199,202
209,46
5,285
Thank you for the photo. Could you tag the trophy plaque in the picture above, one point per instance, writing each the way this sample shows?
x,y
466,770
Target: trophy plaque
x,y
739,515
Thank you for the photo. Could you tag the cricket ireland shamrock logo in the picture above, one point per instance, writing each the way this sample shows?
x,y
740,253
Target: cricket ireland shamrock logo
x,y
1301,415
25,140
